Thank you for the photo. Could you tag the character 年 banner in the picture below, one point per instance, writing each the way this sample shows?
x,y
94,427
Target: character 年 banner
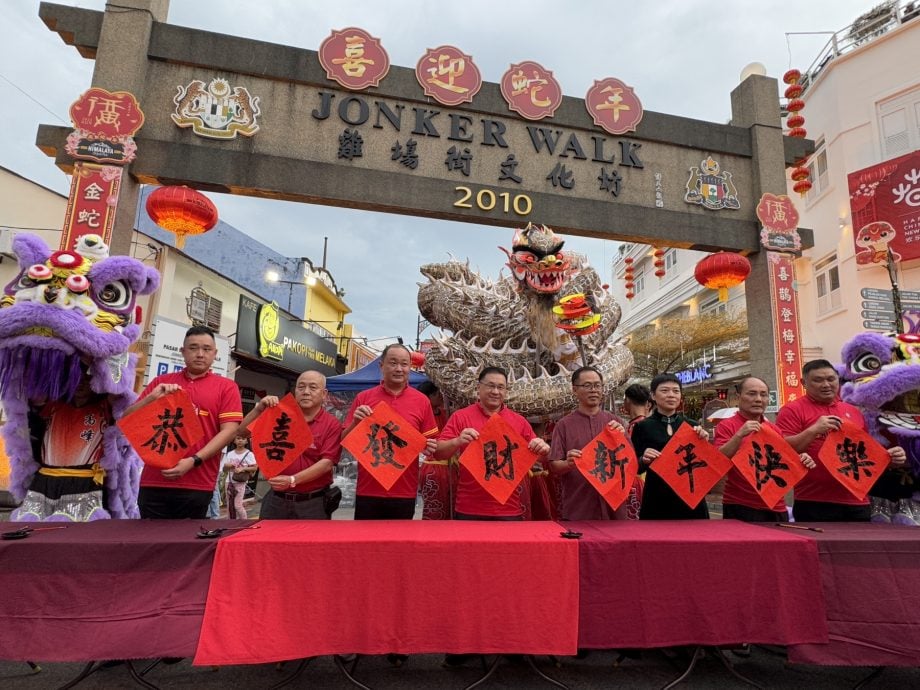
x,y
609,464
690,465
279,436
164,431
384,444
769,464
854,458
499,459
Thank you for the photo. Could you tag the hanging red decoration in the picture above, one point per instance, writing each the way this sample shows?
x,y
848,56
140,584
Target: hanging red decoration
x,y
792,76
795,105
797,132
629,277
794,91
416,359
659,262
802,187
800,173
722,271
181,210
794,121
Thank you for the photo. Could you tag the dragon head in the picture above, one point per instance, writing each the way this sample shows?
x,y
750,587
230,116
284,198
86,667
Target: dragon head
x,y
881,375
66,312
537,261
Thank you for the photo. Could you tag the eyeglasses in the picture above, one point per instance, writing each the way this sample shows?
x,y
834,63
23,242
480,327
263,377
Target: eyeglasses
x,y
589,386
495,386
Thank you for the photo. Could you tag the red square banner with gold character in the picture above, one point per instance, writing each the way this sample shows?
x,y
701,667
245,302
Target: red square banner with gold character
x,y
609,464
164,431
854,458
91,204
769,464
279,436
690,465
448,75
384,444
786,332
499,459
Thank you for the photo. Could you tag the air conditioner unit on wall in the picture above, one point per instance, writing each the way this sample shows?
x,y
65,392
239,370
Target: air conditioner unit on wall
x,y
6,241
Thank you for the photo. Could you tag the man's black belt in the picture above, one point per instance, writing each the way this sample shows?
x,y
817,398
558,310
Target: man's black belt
x,y
295,496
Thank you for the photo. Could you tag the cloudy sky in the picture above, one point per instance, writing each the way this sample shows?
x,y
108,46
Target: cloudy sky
x,y
682,57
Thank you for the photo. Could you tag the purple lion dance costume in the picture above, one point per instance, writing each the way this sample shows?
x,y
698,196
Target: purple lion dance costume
x,y
881,375
66,323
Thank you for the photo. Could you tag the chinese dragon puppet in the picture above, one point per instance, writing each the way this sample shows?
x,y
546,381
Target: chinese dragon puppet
x,y
881,376
514,323
66,323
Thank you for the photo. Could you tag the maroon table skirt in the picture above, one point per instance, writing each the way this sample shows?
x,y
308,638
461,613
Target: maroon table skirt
x,y
112,589
668,583
871,580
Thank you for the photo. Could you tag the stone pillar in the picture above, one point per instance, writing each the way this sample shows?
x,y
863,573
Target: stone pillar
x,y
121,65
755,105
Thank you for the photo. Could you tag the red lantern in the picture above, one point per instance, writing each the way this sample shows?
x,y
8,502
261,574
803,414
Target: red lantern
x,y
794,91
182,211
795,105
630,295
792,76
800,173
795,121
797,132
722,271
659,262
416,359
802,187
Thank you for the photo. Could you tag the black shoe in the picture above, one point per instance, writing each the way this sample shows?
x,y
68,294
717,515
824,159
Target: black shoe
x,y
397,660
170,660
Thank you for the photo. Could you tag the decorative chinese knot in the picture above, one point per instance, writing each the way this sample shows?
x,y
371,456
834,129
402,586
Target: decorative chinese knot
x,y
722,271
182,211
800,174
629,277
659,262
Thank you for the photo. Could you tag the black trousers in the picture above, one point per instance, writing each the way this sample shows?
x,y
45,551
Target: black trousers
x,y
159,503
819,511
734,511
377,508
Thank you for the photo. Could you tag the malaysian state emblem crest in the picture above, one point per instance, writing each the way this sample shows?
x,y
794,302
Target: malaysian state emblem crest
x,y
216,111
710,189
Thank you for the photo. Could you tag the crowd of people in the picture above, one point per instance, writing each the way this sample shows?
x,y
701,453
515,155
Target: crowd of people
x,y
305,489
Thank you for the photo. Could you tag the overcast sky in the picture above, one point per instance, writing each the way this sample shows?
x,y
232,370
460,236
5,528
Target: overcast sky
x,y
682,57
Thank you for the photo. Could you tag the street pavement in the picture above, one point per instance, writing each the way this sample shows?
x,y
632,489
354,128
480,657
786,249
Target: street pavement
x,y
598,670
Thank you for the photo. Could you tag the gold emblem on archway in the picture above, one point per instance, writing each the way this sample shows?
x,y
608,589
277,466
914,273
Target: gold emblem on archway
x,y
216,111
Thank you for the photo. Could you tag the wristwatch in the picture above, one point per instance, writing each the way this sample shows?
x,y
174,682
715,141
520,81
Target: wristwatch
x,y
196,461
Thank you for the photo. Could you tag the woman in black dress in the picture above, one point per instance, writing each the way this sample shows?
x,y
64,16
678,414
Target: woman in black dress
x,y
659,502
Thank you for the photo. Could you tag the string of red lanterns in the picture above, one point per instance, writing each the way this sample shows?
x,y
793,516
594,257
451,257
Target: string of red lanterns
x,y
659,262
629,277
795,121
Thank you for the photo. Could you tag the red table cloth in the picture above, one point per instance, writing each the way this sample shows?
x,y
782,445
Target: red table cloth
x,y
112,589
668,583
373,587
871,579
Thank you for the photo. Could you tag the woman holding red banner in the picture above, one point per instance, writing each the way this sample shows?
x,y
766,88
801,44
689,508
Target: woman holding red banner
x,y
740,501
649,437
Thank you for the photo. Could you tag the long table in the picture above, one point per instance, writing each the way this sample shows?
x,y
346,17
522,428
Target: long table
x,y
111,589
718,582
146,589
374,587
871,580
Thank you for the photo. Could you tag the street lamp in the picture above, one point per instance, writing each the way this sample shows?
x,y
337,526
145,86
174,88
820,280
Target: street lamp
x,y
274,278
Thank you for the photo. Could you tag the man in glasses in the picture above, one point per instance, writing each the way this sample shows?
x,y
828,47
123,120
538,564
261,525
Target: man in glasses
x,y
473,502
580,500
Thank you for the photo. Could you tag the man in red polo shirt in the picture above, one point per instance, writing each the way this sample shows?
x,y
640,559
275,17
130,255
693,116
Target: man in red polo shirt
x,y
185,490
740,501
805,423
474,502
300,491
372,501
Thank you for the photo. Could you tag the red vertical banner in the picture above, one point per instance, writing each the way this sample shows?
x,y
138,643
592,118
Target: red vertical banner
x,y
786,331
92,202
